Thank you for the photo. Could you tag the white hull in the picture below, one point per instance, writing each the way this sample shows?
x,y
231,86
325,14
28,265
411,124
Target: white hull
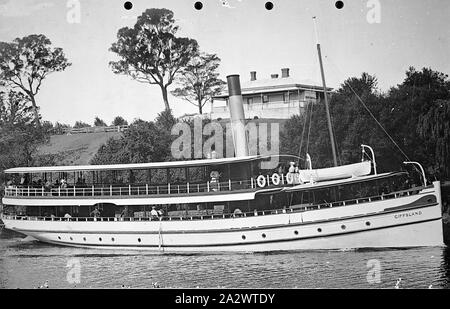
x,y
399,222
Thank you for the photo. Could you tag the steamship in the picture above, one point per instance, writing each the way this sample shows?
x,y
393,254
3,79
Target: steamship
x,y
239,204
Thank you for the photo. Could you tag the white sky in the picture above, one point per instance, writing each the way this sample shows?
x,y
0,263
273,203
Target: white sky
x,y
246,38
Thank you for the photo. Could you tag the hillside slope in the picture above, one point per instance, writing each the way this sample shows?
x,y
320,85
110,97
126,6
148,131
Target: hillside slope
x,y
76,149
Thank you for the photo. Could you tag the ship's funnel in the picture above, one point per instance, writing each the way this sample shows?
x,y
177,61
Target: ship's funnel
x,y
237,117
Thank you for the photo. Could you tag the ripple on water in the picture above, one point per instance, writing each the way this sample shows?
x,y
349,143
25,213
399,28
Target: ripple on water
x,y
26,265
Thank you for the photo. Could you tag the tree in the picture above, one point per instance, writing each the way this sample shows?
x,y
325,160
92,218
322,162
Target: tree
x,y
199,80
415,114
434,126
19,138
352,126
26,62
60,128
99,122
144,141
150,52
14,109
80,124
119,121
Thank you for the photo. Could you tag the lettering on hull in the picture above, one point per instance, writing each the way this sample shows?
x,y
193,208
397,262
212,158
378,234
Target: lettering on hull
x,y
408,214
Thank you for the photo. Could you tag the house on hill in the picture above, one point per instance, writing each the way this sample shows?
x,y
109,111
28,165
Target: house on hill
x,y
275,97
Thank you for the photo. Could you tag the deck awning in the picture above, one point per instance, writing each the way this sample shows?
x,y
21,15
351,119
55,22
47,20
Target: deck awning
x,y
135,166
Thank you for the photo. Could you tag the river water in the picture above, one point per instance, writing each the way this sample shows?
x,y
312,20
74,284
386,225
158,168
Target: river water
x,y
28,264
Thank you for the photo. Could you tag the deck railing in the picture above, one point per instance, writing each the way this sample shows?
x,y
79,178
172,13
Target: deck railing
x,y
139,190
284,210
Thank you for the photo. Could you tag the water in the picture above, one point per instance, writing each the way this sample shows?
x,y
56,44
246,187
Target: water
x,y
28,264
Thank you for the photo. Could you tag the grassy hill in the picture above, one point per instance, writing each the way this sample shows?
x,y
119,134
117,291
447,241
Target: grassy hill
x,y
76,149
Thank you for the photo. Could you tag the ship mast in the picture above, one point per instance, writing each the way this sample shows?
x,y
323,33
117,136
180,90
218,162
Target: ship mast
x,y
330,128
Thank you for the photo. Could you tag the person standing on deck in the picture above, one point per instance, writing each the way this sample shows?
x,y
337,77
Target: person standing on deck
x,y
95,213
154,213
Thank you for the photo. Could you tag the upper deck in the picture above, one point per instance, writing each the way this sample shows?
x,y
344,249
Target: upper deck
x,y
144,183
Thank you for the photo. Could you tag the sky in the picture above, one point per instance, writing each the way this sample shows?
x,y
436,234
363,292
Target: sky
x,y
381,37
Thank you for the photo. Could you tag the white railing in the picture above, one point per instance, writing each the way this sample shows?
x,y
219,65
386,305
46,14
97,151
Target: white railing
x,y
202,215
144,189
265,105
90,129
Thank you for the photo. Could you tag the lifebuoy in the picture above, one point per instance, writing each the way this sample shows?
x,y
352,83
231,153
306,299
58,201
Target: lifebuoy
x,y
290,178
261,180
276,179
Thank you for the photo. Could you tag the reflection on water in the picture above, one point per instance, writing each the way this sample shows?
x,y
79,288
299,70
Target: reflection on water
x,y
25,264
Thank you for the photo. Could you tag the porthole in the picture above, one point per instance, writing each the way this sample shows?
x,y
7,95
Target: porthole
x,y
296,232
139,240
319,230
100,239
367,223
59,237
112,238
84,238
243,237
263,235
343,227
71,238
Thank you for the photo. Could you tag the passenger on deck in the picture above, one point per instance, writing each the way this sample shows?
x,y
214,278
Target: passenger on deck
x,y
160,212
154,213
67,215
291,167
95,213
124,212
48,187
237,212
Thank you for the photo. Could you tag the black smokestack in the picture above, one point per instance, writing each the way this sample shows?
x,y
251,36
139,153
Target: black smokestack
x,y
237,117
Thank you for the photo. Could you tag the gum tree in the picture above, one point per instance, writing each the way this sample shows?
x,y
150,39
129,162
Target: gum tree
x,y
26,62
150,52
199,80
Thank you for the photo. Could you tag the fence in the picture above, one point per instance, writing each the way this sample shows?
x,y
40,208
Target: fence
x,y
90,130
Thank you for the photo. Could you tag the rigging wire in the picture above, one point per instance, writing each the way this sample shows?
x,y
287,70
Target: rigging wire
x,y
370,113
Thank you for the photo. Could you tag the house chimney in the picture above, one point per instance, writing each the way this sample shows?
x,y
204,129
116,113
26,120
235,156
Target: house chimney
x,y
237,117
274,75
284,72
252,75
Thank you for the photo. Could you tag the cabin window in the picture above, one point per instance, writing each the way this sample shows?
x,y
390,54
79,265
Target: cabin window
x,y
265,98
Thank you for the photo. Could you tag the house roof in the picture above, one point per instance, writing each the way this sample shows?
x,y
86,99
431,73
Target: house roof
x,y
275,85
